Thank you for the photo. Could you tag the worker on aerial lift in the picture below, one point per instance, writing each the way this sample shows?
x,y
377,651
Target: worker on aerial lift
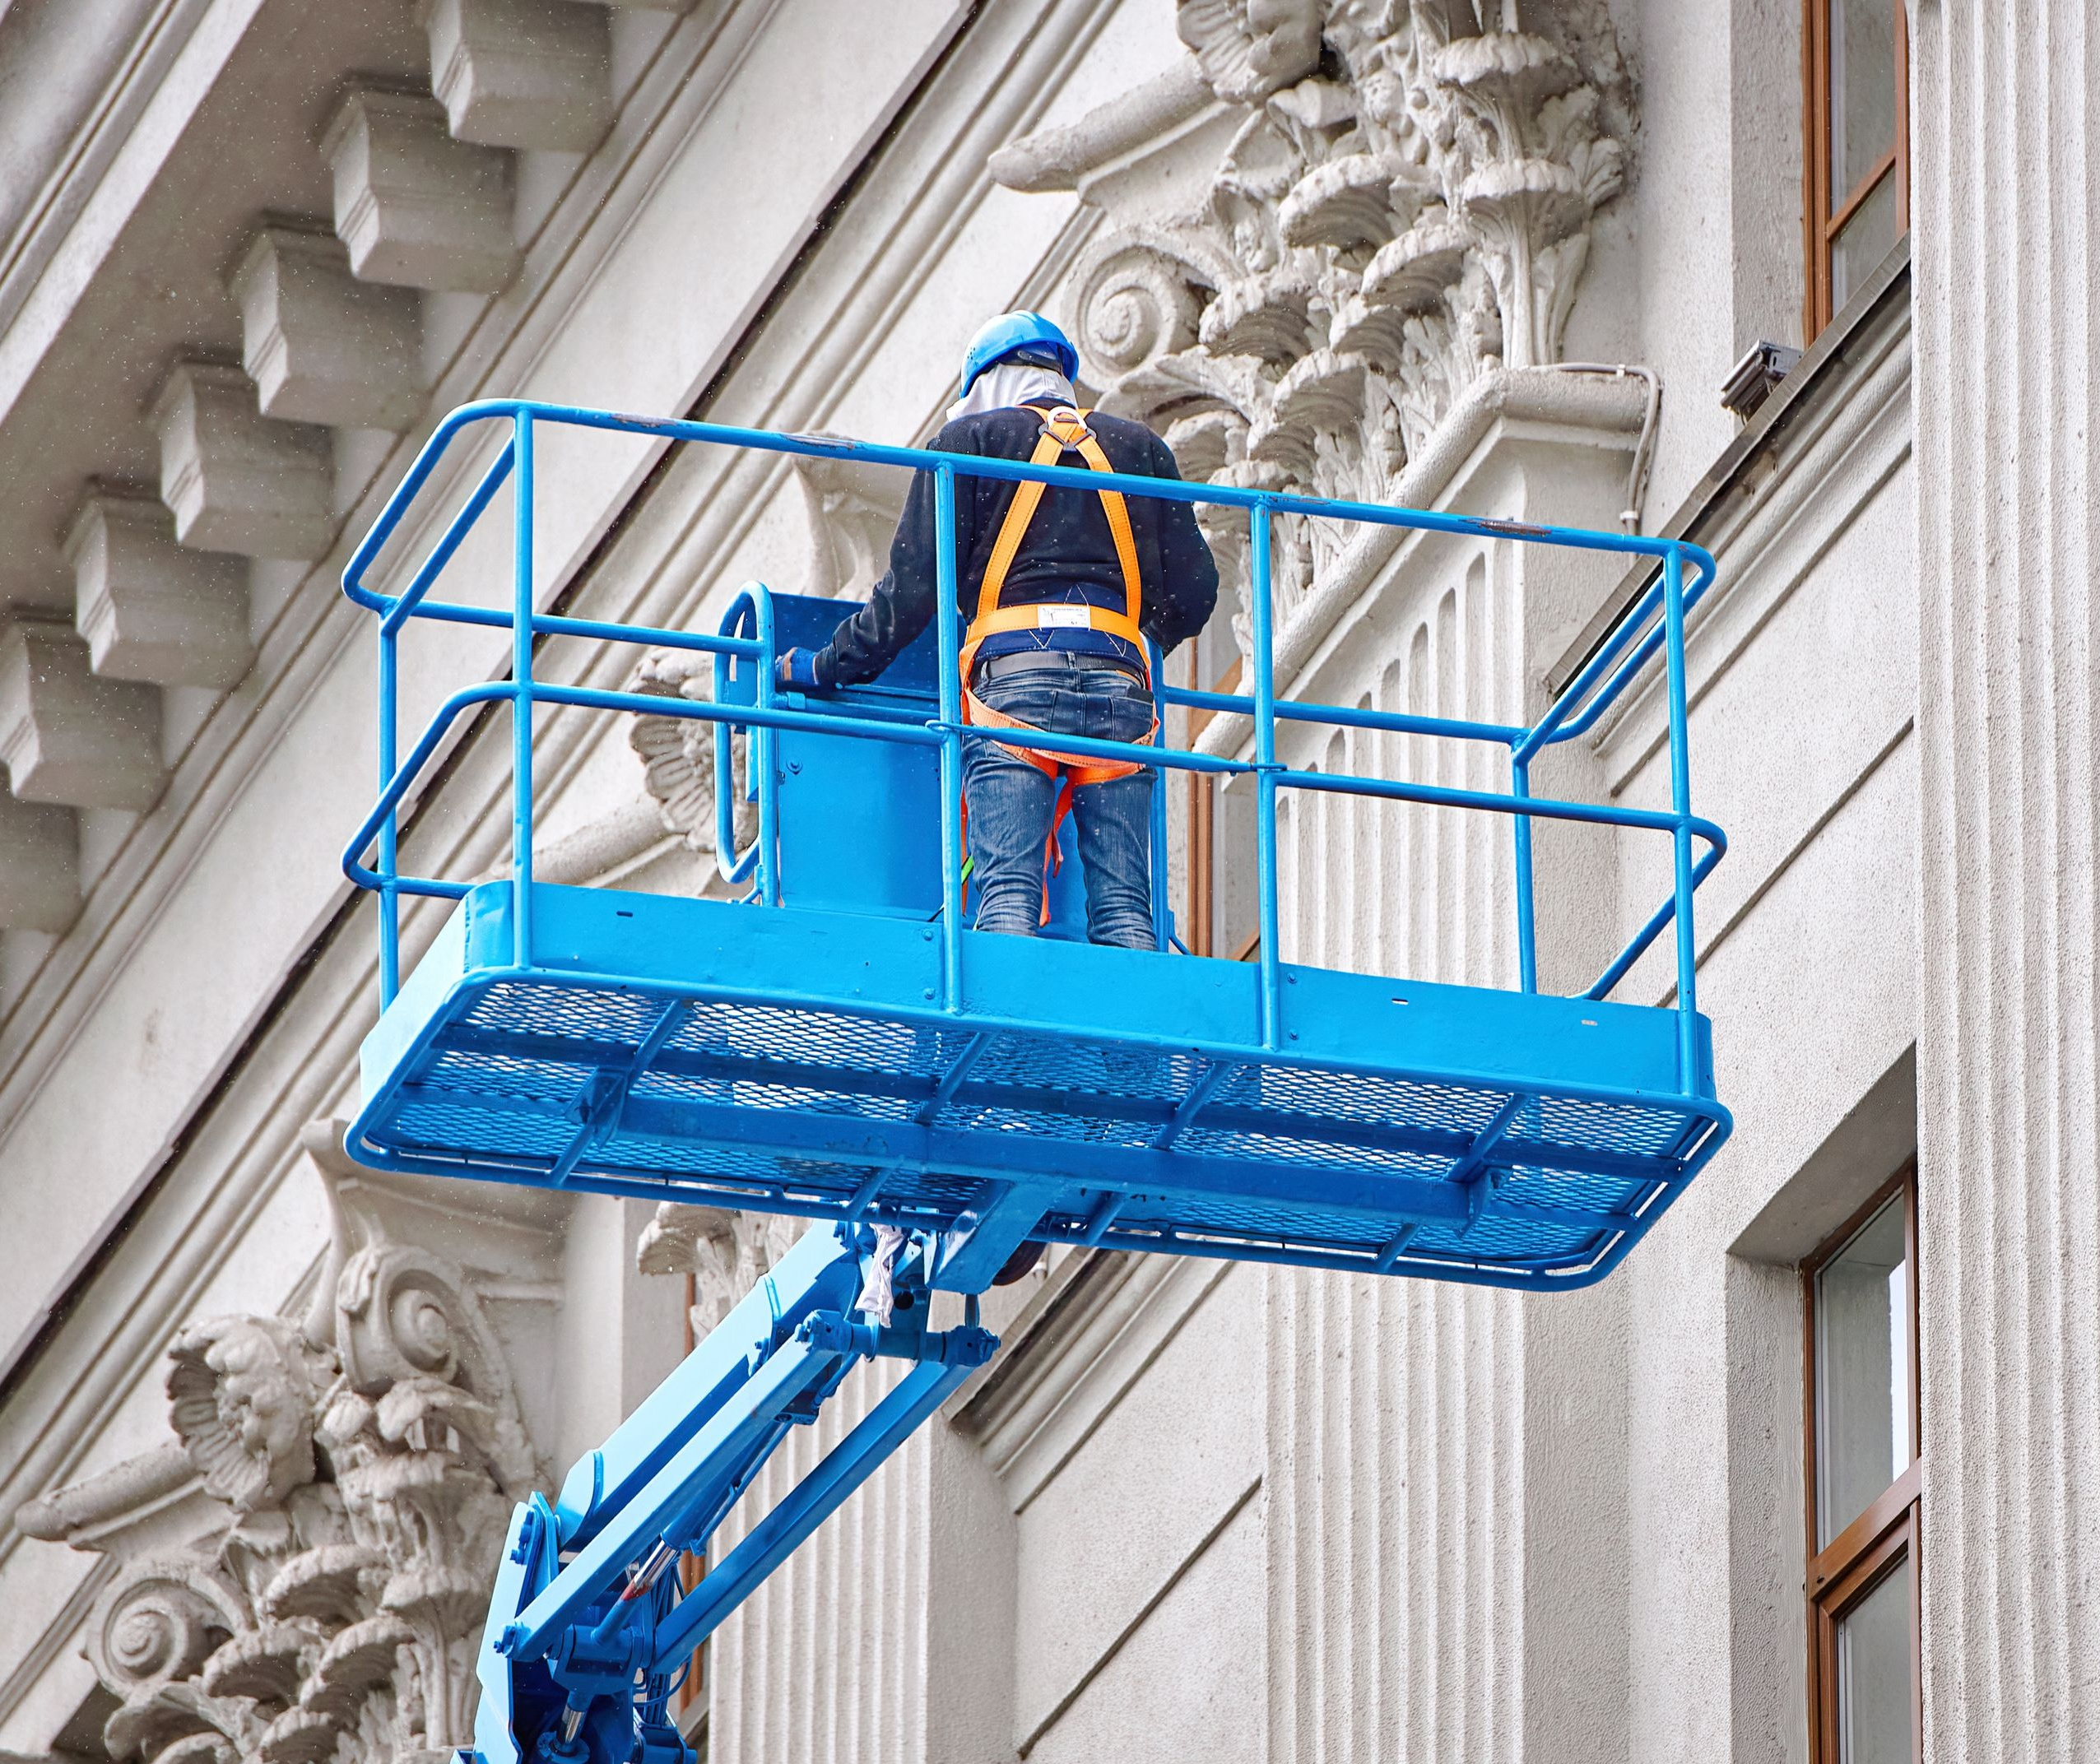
x,y
1065,586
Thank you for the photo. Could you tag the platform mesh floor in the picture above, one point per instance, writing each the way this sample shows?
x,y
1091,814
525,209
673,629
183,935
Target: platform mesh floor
x,y
814,1111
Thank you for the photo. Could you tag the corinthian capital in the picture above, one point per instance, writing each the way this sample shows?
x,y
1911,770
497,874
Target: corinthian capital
x,y
346,1481
1398,199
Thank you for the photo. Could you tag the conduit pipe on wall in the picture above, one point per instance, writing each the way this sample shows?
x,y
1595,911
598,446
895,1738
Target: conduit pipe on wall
x,y
1636,483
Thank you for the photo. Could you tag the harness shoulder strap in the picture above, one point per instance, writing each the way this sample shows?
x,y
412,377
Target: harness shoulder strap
x,y
1063,430
1117,511
1019,512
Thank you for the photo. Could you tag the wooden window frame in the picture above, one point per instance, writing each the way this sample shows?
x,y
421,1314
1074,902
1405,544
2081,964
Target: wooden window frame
x,y
1823,215
1202,821
689,1703
1843,1571
1202,932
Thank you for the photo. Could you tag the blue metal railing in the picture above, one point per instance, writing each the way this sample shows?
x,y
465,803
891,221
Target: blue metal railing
x,y
1654,624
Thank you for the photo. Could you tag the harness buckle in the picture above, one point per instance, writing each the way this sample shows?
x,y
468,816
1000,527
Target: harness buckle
x,y
1069,419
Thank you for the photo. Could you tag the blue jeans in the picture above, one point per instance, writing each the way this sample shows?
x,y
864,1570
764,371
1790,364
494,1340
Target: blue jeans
x,y
1011,803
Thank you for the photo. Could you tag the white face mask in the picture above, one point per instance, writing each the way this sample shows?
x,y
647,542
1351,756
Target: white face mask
x,y
1010,384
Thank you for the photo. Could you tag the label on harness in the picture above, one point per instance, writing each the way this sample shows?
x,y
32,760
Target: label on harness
x,y
1063,618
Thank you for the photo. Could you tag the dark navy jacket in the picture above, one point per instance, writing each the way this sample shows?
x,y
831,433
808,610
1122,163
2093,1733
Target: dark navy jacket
x,y
1067,554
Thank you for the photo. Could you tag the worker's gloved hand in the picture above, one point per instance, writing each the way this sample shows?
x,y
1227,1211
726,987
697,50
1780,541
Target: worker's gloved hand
x,y
796,672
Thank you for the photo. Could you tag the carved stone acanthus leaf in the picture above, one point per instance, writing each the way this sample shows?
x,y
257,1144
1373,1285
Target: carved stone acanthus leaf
x,y
677,752
1404,204
853,509
363,1467
726,1253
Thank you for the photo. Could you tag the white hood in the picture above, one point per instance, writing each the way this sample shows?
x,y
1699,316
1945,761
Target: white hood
x,y
1010,384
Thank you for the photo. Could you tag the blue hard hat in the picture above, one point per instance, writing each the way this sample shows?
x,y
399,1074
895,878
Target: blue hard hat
x,y
1019,334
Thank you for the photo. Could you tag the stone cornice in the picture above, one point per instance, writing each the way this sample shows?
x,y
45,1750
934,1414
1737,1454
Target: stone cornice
x,y
46,228
111,173
315,624
1854,406
1821,376
315,629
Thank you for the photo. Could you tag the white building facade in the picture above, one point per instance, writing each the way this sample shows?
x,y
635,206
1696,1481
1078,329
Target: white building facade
x,y
1809,1478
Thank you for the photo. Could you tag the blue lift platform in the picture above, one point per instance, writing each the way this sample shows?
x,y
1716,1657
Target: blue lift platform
x,y
837,1043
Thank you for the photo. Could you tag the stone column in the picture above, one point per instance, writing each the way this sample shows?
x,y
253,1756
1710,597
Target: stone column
x,y
2008,310
1446,1480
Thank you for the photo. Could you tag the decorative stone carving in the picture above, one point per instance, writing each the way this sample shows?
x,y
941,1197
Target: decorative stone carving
x,y
235,480
853,508
1249,48
1405,206
112,1512
677,752
362,1466
521,73
415,206
1066,155
322,346
67,737
149,1640
241,1395
40,865
726,1253
151,609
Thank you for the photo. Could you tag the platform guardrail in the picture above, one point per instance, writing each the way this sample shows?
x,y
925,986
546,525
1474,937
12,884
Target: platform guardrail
x,y
1654,624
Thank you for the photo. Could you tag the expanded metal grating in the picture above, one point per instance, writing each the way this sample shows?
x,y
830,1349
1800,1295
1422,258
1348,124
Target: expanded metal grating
x,y
832,1113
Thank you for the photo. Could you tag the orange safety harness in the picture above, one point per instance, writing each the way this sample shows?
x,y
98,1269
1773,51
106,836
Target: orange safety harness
x,y
1064,430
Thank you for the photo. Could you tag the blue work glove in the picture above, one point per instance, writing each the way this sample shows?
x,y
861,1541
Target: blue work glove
x,y
796,672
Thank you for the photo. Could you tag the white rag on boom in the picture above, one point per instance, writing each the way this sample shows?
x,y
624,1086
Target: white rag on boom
x,y
879,1293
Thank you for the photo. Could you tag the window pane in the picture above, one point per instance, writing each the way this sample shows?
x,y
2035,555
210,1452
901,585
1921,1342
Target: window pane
x,y
1863,1371
1862,91
1863,241
1873,1673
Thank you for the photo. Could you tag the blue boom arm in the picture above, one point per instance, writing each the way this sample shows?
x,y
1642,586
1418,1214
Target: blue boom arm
x,y
589,1633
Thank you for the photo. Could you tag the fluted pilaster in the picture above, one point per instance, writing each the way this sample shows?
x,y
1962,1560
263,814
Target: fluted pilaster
x,y
1397,1610
2008,294
1445,1478
827,1660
